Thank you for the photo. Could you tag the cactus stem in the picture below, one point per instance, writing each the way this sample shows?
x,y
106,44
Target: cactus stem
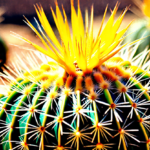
x,y
78,118
140,123
12,96
40,93
24,99
139,86
78,98
4,107
96,121
59,134
48,107
110,101
124,134
96,113
121,88
61,117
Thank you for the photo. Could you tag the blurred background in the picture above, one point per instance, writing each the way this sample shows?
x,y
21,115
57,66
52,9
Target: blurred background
x,y
12,12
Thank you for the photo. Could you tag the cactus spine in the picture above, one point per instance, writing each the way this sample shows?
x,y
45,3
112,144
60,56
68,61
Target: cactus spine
x,y
96,101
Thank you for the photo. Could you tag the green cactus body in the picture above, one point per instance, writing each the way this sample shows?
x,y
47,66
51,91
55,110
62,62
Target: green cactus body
x,y
102,110
87,99
138,30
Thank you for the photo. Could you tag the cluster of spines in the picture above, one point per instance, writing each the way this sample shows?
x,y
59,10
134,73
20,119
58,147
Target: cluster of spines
x,y
40,88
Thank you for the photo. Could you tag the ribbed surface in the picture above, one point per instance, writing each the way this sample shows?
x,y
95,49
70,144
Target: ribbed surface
x,y
114,113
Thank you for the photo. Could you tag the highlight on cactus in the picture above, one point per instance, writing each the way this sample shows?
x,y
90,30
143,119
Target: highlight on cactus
x,y
93,95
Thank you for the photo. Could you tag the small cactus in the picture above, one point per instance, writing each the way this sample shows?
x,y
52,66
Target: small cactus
x,y
89,98
141,27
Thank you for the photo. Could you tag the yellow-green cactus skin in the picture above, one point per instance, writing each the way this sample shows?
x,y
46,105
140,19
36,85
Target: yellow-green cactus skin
x,y
92,96
140,29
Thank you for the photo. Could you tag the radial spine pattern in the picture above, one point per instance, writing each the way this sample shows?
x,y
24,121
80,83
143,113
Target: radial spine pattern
x,y
87,99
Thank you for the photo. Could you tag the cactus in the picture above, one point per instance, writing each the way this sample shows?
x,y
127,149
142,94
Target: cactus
x,y
141,27
88,98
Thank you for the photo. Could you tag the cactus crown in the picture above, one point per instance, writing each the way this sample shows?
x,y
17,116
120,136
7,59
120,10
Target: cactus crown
x,y
81,46
47,109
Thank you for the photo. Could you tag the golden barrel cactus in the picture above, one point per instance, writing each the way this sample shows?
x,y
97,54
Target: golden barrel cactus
x,y
87,98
